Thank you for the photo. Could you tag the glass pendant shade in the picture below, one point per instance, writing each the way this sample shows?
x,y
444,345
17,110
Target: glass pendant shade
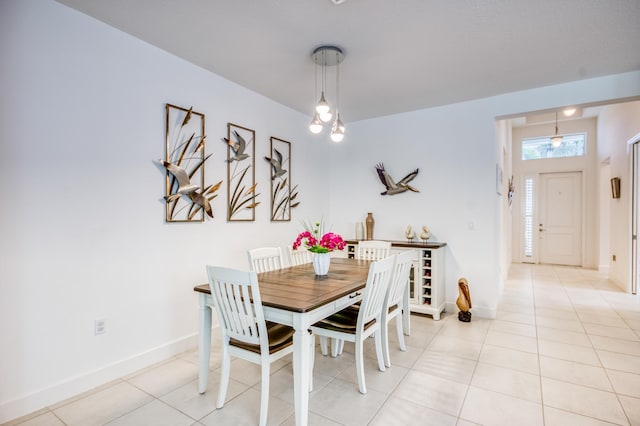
x,y
316,124
326,117
323,106
337,130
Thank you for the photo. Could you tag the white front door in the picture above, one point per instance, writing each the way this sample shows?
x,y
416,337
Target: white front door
x,y
560,218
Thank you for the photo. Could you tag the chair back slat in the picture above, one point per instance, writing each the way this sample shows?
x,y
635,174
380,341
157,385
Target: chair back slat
x,y
375,290
373,250
236,297
399,278
265,259
299,256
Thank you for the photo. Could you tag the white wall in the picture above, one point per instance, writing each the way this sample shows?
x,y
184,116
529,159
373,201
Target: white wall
x,y
587,165
82,224
82,230
616,125
456,148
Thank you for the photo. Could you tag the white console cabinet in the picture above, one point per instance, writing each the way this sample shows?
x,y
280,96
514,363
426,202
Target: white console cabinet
x,y
427,281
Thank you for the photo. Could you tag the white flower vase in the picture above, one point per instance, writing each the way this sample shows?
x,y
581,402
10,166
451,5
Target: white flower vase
x,y
321,262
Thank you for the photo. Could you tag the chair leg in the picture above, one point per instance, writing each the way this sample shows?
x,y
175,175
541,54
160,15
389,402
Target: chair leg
x,y
264,399
340,347
224,377
335,345
379,354
384,333
323,345
400,330
362,386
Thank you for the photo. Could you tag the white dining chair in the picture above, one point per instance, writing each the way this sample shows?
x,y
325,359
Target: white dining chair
x,y
299,256
265,259
366,250
373,249
245,333
355,324
394,299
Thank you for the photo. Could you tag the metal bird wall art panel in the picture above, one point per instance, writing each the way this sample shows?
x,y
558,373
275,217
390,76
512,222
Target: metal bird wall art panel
x,y
186,197
241,174
391,186
283,195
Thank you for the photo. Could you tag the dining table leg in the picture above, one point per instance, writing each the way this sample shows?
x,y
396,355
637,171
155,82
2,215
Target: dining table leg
x,y
204,342
301,368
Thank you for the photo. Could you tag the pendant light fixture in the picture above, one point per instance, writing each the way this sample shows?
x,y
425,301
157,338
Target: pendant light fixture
x,y
327,56
337,129
556,140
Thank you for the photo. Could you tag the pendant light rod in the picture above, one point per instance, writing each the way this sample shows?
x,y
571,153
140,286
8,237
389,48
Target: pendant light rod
x,y
556,140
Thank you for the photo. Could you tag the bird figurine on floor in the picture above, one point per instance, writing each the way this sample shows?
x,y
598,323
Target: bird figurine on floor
x,y
238,147
464,300
276,164
392,187
185,186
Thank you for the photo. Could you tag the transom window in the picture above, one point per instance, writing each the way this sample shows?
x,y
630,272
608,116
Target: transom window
x,y
538,148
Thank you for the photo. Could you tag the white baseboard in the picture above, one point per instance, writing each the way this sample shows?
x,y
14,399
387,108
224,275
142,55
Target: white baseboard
x,y
604,269
478,311
73,386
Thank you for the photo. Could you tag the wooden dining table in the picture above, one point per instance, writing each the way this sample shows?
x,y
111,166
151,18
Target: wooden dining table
x,y
296,297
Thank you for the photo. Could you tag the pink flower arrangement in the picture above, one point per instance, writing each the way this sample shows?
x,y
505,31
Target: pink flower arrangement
x,y
325,244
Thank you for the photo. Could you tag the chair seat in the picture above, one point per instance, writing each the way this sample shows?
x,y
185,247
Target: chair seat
x,y
344,321
280,336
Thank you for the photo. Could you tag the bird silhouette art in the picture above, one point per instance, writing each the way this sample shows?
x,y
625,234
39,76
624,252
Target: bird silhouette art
x,y
184,183
276,164
464,300
202,201
238,147
392,187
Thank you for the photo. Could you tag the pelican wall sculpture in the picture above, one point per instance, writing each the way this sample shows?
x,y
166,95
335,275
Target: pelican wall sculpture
x,y
391,186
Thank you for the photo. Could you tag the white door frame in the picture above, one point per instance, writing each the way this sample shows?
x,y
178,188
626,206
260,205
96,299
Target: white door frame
x,y
634,191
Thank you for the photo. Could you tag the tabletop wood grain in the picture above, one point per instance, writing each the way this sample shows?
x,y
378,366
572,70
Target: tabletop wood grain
x,y
298,289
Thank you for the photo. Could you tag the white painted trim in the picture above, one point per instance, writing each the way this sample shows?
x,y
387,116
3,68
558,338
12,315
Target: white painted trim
x,y
604,269
73,386
477,311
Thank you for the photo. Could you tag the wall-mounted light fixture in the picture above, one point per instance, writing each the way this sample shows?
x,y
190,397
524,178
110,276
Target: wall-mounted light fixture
x,y
615,187
327,56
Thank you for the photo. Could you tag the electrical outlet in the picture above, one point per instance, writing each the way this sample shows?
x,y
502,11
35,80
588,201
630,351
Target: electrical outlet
x,y
99,326
613,257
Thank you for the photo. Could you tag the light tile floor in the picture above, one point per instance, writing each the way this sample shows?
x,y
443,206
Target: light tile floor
x,y
563,350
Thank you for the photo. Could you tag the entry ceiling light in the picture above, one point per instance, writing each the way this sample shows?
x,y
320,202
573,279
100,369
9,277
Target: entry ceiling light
x,y
556,140
327,56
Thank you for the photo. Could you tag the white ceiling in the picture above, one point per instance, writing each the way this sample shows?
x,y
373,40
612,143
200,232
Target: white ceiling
x,y
400,55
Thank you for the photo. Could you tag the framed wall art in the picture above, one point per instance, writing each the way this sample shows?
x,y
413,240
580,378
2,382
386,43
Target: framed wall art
x,y
187,199
283,195
241,174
